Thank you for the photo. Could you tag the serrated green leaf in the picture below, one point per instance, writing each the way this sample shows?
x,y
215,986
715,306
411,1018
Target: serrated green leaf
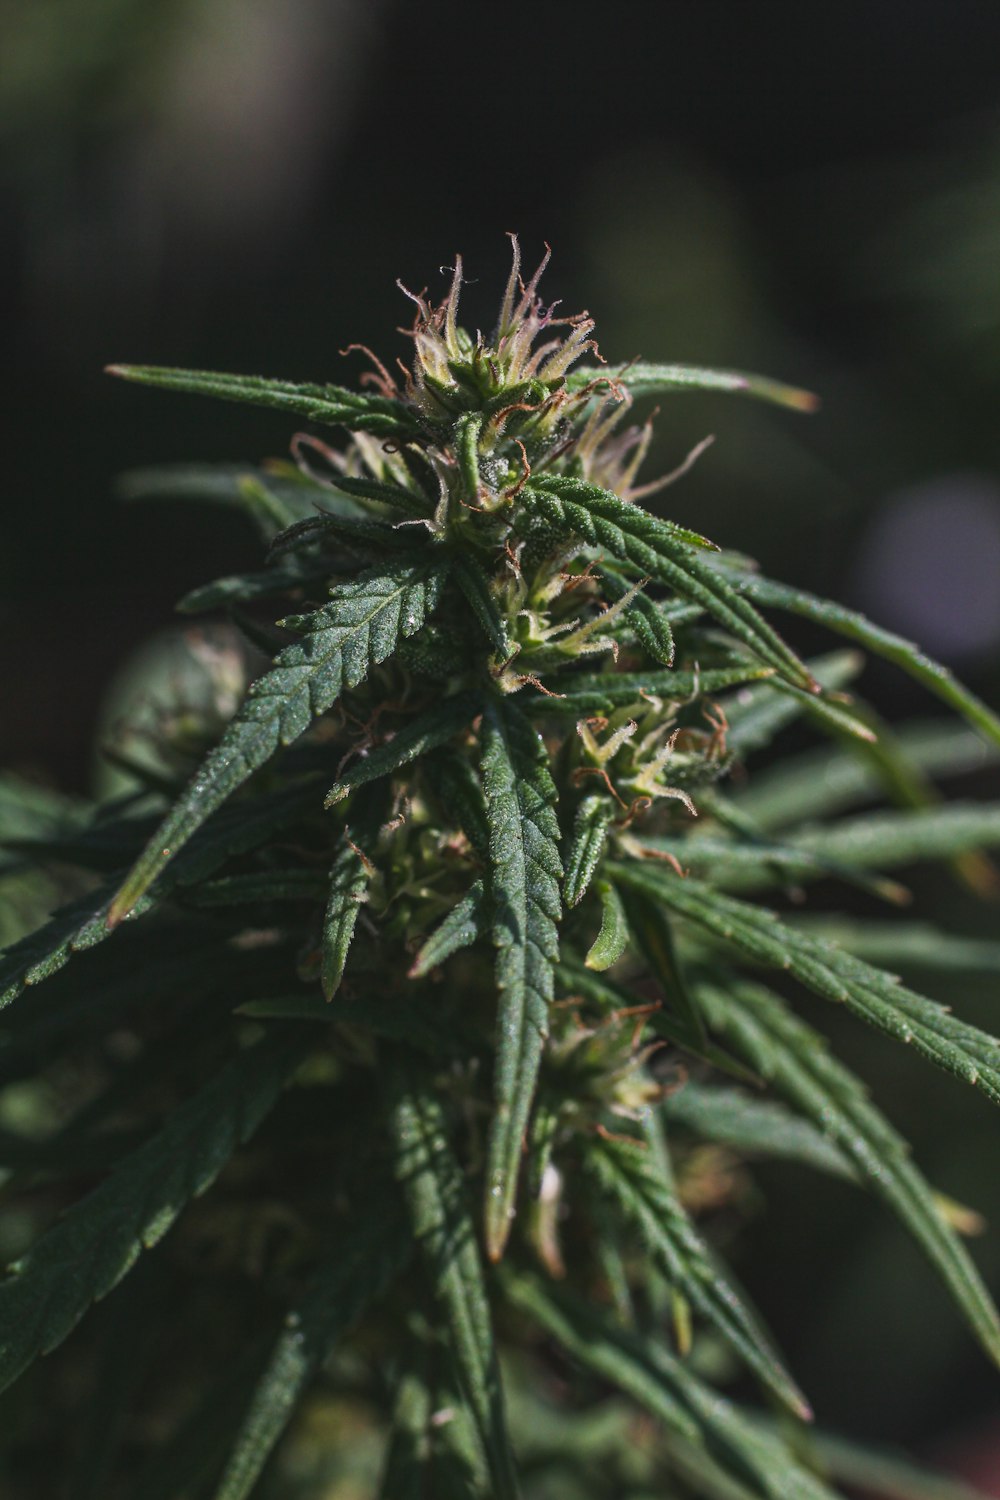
x,y
425,732
581,694
472,580
94,1244
349,877
610,943
463,925
650,624
525,871
83,924
666,553
936,678
332,404
432,1182
629,1171
796,1063
644,379
757,715
359,628
459,794
638,1365
358,534
593,818
870,993
356,1272
755,1127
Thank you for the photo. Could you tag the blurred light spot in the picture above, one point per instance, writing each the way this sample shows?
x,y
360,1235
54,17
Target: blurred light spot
x,y
929,566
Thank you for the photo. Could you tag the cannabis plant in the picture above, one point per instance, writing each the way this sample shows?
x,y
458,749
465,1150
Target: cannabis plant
x,y
386,1052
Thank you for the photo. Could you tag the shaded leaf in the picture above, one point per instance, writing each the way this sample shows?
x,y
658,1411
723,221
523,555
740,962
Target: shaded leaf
x,y
905,837
463,925
637,1365
581,694
432,1183
357,1271
95,1243
349,877
936,678
424,732
472,579
650,926
820,783
756,1127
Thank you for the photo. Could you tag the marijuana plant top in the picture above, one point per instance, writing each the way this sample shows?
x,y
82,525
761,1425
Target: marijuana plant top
x,y
390,1032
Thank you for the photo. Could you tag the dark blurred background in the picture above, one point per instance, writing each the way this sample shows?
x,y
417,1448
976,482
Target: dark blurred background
x,y
808,190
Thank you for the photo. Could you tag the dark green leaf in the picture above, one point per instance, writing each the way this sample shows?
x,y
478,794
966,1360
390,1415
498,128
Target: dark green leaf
x,y
432,1182
872,994
936,678
651,928
587,694
629,1171
331,404
359,628
610,943
637,1364
472,580
650,624
666,553
644,379
756,1127
95,1243
425,732
356,1272
525,871
795,1061
463,925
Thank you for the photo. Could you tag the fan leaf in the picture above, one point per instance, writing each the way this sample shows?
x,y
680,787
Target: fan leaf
x,y
668,554
629,1170
796,1063
644,379
525,871
357,1271
359,628
330,404
432,1183
872,994
94,1244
